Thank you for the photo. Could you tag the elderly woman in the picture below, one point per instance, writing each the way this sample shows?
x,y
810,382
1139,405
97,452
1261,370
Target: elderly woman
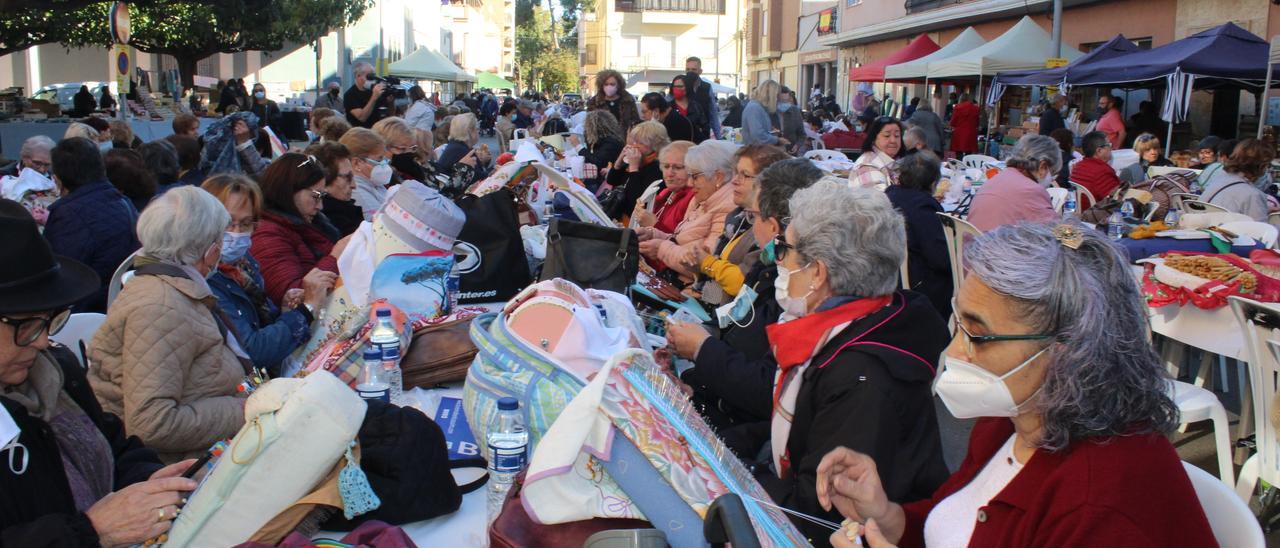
x,y
603,144
464,134
928,260
34,155
294,239
1150,153
1049,356
736,251
1018,193
339,185
161,361
1233,186
92,222
636,167
75,478
848,349
80,129
733,374
666,201
757,116
874,169
268,333
710,168
371,168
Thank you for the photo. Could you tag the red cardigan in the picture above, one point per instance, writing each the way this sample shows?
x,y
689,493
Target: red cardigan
x,y
1126,491
287,250
1097,176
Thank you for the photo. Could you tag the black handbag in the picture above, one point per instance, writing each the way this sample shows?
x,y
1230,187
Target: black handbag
x,y
495,268
591,255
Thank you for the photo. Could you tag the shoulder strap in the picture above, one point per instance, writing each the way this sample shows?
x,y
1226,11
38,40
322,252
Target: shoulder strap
x,y
1219,191
224,327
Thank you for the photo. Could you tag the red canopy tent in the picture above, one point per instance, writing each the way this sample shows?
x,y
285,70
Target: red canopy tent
x,y
874,72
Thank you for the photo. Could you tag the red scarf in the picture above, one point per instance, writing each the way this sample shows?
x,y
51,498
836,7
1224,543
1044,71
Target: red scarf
x,y
798,341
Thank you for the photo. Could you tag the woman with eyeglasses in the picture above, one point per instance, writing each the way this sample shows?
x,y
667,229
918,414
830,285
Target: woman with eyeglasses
x,y
665,203
161,360
293,236
268,333
710,168
1150,153
732,377
340,186
69,473
874,168
371,167
1073,411
856,356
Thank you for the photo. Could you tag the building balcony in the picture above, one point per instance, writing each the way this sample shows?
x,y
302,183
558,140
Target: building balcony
x,y
708,7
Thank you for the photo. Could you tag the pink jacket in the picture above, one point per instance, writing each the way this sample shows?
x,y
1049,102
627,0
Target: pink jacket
x,y
1010,197
703,223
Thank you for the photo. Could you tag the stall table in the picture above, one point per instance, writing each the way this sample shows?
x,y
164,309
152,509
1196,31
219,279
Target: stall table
x,y
13,134
1148,247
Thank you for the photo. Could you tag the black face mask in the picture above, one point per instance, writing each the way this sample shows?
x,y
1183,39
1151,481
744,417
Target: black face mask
x,y
407,163
333,92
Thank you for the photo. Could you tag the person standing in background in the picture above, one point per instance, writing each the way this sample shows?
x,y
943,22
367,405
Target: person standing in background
x,y
363,100
964,126
1109,120
331,99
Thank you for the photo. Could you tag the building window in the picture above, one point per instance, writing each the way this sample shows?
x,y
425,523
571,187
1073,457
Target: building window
x,y
853,3
589,55
715,7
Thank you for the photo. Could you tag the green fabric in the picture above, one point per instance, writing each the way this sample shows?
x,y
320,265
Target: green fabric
x,y
493,81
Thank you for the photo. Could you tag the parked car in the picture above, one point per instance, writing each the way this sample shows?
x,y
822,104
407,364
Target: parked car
x,y
63,94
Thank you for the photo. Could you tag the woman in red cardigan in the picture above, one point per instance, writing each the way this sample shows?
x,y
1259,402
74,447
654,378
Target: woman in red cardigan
x,y
294,241
1071,447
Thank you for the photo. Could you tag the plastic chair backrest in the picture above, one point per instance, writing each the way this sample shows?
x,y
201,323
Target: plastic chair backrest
x,y
957,231
117,279
80,329
1081,194
518,134
979,161
1197,206
1274,218
1179,197
1260,324
817,144
1232,522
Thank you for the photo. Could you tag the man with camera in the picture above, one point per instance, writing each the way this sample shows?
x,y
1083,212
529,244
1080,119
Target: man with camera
x,y
363,100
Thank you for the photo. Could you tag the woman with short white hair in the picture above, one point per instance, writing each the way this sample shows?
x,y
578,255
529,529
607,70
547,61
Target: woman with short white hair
x,y
710,170
1018,192
163,360
855,356
464,133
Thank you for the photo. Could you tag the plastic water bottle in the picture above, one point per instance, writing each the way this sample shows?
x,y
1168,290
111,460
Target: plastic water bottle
x,y
1171,218
1069,208
453,285
373,384
386,338
1115,226
508,442
1126,209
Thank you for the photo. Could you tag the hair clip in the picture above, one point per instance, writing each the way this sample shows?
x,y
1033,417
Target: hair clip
x,y
1069,235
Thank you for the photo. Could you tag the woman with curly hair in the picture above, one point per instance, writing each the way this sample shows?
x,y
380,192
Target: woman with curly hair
x,y
611,95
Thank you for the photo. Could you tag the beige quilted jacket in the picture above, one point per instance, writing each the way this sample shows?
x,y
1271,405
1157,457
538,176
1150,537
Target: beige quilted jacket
x,y
159,362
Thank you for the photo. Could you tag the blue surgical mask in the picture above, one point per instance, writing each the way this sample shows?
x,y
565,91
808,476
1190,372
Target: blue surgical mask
x,y
766,253
235,245
740,311
105,146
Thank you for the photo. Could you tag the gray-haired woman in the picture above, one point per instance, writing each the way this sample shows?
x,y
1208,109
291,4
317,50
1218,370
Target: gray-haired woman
x,y
855,356
1018,192
161,360
1070,449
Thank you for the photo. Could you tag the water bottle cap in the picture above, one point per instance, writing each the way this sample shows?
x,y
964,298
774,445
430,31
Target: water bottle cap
x,y
508,404
372,353
384,312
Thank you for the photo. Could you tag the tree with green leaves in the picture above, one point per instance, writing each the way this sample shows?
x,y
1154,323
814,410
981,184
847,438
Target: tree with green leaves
x,y
544,64
192,31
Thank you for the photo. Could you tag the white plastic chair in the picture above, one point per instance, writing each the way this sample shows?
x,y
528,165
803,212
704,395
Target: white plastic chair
x,y
518,134
1274,218
1179,197
1260,324
902,271
817,144
1265,233
1197,206
117,279
1196,404
979,161
1081,193
825,155
1232,522
78,333
957,231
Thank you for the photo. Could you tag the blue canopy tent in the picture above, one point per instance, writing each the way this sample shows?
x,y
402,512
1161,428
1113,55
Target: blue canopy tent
x,y
1056,76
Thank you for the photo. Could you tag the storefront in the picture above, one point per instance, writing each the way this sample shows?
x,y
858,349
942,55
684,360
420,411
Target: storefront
x,y
818,67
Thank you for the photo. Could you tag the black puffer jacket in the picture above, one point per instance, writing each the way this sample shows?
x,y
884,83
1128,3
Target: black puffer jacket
x,y
36,508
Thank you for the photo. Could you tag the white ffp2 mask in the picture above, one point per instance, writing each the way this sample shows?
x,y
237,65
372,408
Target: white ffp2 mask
x,y
970,391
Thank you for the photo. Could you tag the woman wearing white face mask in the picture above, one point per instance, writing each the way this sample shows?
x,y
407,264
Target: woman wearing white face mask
x,y
371,168
1071,449
267,332
266,110
1018,192
611,95
849,352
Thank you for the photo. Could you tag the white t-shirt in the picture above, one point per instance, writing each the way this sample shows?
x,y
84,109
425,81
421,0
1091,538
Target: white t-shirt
x,y
950,524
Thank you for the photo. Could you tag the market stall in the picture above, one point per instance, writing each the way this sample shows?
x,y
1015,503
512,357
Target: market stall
x,y
918,69
1114,47
875,71
12,134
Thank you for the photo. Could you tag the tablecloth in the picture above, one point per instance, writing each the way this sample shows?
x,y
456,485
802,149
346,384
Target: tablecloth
x,y
1141,249
12,134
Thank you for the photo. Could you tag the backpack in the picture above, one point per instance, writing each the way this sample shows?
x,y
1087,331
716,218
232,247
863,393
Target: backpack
x,y
1163,187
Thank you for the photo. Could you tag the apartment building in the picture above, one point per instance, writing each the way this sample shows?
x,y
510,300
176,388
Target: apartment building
x,y
649,40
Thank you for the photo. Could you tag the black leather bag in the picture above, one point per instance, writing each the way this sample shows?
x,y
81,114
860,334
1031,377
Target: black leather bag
x,y
495,268
591,255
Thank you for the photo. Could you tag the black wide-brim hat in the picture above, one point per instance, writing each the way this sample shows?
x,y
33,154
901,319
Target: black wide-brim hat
x,y
32,279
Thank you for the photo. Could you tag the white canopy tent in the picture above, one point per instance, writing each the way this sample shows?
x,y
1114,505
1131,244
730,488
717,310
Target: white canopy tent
x,y
425,64
1024,46
919,68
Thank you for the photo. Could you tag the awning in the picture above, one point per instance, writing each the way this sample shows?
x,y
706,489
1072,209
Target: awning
x,y
1055,76
1024,46
425,64
490,80
874,72
915,70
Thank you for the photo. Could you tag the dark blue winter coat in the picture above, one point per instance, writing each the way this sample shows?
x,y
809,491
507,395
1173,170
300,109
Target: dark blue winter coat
x,y
94,225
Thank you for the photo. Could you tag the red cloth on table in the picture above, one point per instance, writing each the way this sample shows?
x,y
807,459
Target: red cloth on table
x,y
843,139
964,127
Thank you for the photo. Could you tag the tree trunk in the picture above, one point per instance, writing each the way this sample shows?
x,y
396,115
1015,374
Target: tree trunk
x,y
187,68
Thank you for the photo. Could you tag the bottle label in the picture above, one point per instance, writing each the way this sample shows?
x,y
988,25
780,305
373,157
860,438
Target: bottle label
x,y
506,459
374,392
